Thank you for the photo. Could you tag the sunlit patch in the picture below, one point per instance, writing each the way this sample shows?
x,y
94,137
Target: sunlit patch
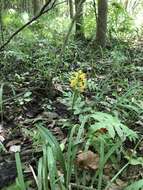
x,y
139,20
12,11
25,17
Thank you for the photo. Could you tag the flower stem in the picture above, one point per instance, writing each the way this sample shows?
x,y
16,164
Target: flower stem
x,y
75,95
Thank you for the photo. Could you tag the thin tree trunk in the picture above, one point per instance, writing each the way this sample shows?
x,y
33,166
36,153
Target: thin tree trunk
x,y
71,9
1,23
36,6
102,23
79,33
126,4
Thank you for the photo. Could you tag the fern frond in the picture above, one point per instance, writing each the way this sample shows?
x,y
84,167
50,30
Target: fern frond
x,y
113,125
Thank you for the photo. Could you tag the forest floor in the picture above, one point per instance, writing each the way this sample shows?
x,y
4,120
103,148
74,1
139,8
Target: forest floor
x,y
27,99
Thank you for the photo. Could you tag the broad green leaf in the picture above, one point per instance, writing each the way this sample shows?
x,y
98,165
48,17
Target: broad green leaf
x,y
138,185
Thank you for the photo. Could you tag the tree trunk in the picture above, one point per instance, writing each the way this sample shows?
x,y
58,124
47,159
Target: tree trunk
x,y
36,6
7,4
79,33
102,23
71,9
126,4
1,23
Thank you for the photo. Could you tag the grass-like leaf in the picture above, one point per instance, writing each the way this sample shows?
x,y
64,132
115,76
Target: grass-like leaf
x,y
21,182
51,140
40,174
51,167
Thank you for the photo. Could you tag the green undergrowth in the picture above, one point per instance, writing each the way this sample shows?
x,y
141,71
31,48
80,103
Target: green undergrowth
x,y
105,118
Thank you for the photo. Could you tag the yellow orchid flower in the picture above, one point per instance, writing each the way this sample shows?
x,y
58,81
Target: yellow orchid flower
x,y
78,81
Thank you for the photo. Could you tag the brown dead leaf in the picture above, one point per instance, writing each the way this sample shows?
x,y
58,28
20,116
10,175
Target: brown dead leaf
x,y
87,160
58,87
2,133
121,183
118,185
1,128
2,139
114,187
108,169
13,142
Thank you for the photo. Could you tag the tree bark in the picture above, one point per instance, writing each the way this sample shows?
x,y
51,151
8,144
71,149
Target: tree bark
x,y
79,33
1,23
36,6
102,23
126,4
71,9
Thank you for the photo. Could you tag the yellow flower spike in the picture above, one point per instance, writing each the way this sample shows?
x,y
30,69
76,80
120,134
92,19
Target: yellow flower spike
x,y
73,83
78,81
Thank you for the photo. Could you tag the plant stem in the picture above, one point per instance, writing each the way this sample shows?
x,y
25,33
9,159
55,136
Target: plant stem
x,y
101,165
115,177
75,95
